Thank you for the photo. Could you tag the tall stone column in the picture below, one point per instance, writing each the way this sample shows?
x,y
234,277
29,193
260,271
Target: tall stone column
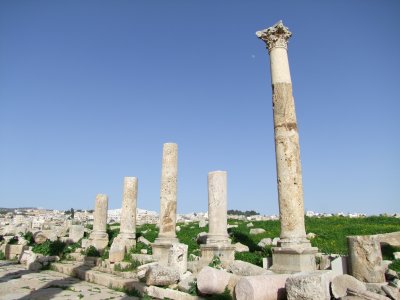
x,y
294,252
99,237
127,236
218,242
168,194
217,208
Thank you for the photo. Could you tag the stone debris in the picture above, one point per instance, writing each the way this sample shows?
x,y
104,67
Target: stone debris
x,y
243,268
366,294
265,242
365,258
271,287
18,283
340,285
256,231
310,286
143,240
250,225
161,275
186,282
239,247
213,281
203,223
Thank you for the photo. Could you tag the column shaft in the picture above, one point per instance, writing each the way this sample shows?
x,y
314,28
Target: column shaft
x,y
100,214
128,210
168,192
217,207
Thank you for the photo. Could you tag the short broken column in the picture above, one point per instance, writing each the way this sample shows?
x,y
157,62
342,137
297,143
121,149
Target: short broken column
x,y
126,238
99,237
294,252
168,198
218,242
365,258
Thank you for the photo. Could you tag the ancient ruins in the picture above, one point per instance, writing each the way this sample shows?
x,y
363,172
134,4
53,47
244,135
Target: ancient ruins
x,y
164,269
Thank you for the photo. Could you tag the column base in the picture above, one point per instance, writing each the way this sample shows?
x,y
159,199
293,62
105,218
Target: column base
x,y
120,246
99,240
226,253
161,252
293,259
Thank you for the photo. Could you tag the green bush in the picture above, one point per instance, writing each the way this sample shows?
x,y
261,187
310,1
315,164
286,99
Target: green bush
x,y
137,249
395,265
106,253
92,252
112,233
29,237
2,255
13,240
50,248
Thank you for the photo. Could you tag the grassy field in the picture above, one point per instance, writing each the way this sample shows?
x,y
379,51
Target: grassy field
x,y
330,233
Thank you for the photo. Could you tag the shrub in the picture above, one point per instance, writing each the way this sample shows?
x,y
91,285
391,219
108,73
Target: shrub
x,y
29,237
92,251
13,240
50,248
2,255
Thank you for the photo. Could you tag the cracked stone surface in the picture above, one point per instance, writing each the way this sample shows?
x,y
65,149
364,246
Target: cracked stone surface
x,y
18,283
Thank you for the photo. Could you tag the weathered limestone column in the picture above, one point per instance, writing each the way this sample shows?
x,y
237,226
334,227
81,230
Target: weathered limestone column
x,y
294,252
218,242
127,236
217,208
99,237
168,194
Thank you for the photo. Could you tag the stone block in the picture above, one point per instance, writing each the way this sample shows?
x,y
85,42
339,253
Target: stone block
x,y
161,275
265,242
177,257
339,265
120,247
14,251
310,286
186,281
365,259
255,231
76,233
240,247
226,253
293,260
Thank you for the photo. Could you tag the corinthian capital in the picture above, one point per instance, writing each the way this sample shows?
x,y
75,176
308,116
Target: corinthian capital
x,y
276,36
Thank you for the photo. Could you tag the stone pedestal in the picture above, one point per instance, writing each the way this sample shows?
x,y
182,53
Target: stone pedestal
x,y
293,259
294,252
218,243
127,236
99,237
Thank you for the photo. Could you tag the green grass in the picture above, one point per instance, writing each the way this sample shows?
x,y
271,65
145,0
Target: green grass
x,y
331,233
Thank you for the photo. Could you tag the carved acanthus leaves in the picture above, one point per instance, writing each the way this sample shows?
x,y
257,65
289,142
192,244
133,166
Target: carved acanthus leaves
x,y
276,36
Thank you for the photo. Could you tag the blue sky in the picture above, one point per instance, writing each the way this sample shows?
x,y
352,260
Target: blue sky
x,y
90,90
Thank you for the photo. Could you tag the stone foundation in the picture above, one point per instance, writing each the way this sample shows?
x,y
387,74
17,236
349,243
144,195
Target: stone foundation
x,y
293,260
226,253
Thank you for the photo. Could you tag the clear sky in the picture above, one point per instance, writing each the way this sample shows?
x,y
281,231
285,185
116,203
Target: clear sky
x,y
90,91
